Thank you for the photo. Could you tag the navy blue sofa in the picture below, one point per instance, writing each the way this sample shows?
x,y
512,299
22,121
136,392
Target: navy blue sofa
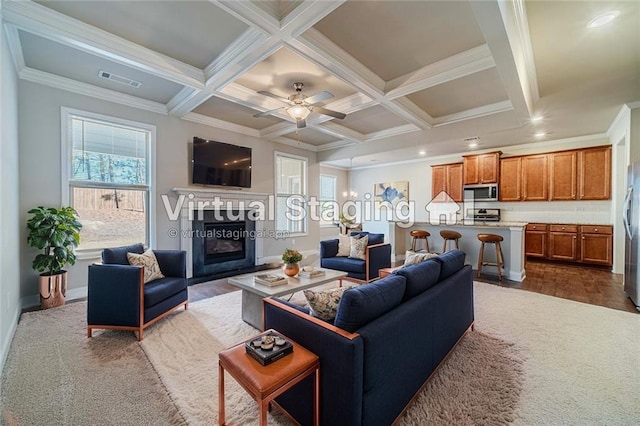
x,y
377,256
118,298
388,337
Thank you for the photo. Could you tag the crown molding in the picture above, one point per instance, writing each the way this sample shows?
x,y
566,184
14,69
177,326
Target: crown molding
x,y
44,22
181,98
51,80
290,142
472,113
393,131
465,63
220,124
336,144
332,128
15,47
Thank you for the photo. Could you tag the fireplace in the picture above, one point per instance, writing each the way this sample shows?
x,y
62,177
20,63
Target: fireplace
x,y
224,256
222,242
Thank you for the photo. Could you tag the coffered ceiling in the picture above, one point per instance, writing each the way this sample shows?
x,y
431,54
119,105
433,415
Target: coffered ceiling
x,y
410,75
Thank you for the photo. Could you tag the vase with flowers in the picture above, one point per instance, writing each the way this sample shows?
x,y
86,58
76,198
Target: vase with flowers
x,y
291,258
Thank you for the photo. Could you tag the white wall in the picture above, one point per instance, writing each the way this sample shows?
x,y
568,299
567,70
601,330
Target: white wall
x,y
40,180
9,200
418,174
342,188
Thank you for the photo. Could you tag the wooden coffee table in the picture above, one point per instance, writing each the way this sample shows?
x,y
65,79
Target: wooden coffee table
x,y
266,382
252,293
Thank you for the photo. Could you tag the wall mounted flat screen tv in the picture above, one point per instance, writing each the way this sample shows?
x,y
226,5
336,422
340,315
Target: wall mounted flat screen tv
x,y
218,163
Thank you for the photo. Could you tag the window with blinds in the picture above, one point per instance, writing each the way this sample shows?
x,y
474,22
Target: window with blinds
x,y
291,193
109,179
328,202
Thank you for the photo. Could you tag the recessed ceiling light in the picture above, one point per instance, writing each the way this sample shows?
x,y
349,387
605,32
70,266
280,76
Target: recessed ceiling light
x,y
473,144
536,118
603,19
422,152
539,134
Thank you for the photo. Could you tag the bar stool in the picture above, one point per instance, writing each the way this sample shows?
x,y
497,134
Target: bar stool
x,y
448,235
491,239
419,235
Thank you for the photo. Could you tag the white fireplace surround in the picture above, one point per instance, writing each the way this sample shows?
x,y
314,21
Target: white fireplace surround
x,y
231,200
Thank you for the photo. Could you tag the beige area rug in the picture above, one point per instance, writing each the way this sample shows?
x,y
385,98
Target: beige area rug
x,y
55,375
533,359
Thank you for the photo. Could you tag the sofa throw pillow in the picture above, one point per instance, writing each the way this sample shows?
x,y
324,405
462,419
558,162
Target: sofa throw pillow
x,y
359,247
344,245
149,262
413,257
323,304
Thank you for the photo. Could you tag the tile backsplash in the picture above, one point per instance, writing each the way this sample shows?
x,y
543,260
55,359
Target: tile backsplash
x,y
586,212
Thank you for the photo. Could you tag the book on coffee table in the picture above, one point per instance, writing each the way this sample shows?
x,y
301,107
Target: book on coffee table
x,y
311,273
270,280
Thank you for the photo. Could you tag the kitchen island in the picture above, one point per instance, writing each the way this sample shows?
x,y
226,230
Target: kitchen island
x,y
512,246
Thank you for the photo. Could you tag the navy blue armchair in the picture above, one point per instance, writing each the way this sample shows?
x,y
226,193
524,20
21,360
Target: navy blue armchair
x,y
377,256
118,299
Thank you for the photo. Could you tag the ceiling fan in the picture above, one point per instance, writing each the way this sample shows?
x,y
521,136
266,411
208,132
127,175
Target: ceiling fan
x,y
299,106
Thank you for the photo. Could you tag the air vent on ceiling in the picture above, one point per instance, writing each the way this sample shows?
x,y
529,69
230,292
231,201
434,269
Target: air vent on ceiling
x,y
119,79
472,139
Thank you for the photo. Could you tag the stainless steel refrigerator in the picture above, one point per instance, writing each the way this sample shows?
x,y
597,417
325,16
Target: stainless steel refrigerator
x,y
631,219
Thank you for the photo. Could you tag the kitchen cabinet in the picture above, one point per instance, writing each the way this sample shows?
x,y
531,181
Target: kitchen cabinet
x,y
563,242
588,244
534,178
536,240
596,244
510,188
481,168
594,173
563,167
448,178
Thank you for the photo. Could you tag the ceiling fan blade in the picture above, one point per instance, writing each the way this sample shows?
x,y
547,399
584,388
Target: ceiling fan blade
x,y
318,97
301,124
328,112
271,95
265,113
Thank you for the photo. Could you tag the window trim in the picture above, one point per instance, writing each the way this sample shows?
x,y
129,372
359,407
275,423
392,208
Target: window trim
x,y
335,196
65,167
305,195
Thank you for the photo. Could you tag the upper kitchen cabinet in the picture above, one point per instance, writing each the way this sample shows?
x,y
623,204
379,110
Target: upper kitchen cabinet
x,y
563,175
448,178
535,178
481,168
594,173
510,179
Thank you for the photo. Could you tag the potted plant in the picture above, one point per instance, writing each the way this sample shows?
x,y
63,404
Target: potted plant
x,y
57,233
291,258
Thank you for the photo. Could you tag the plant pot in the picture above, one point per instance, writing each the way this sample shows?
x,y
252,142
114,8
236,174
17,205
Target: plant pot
x,y
291,269
53,288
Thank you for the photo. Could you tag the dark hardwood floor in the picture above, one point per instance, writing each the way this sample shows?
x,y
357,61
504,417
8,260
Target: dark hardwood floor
x,y
580,283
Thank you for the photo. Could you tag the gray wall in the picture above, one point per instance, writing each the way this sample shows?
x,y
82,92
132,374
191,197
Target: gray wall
x,y
40,179
9,201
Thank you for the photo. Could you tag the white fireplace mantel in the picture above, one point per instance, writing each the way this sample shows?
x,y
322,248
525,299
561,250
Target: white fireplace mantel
x,y
229,200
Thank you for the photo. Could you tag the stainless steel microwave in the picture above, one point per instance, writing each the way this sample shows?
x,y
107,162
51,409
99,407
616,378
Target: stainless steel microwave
x,y
485,192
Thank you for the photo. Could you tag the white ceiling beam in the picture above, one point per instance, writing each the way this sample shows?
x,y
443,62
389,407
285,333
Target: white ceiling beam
x,y
394,131
319,49
305,16
250,14
472,113
221,124
295,143
90,90
514,15
45,22
491,23
339,131
465,63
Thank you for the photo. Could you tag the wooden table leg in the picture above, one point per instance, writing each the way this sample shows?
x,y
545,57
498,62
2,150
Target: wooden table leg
x,y
264,406
316,399
220,395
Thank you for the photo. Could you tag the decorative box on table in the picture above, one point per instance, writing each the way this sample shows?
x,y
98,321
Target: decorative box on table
x,y
267,354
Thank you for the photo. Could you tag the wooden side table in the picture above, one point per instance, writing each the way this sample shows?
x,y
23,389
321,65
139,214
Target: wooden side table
x,y
383,272
265,383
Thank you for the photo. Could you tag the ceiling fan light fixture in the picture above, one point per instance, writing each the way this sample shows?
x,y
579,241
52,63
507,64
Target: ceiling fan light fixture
x,y
298,112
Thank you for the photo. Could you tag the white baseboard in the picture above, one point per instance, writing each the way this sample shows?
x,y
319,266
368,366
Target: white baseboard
x,y
6,344
72,294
